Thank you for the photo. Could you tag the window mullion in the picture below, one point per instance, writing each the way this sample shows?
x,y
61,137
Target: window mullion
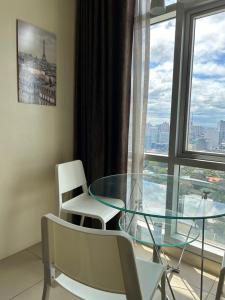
x,y
175,107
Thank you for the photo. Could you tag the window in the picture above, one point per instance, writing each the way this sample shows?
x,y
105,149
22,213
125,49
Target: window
x,y
185,127
161,75
206,124
169,2
155,167
214,228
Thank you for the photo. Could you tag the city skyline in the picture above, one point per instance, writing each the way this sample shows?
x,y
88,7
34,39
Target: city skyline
x,y
200,138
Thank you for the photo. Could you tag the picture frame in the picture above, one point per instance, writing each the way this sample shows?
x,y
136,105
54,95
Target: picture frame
x,y
36,65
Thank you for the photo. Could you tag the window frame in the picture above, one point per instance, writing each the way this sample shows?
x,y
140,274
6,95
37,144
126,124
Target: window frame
x,y
177,155
187,26
169,14
183,51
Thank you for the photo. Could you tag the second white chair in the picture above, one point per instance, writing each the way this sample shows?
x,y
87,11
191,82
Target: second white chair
x,y
69,176
96,264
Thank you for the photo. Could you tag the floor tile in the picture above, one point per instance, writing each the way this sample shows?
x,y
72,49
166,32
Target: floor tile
x,y
19,272
188,278
142,251
188,294
177,281
184,294
191,276
35,292
36,250
21,278
180,294
214,288
212,297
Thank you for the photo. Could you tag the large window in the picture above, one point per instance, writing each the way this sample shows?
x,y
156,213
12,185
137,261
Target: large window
x,y
161,77
215,228
185,129
206,130
168,2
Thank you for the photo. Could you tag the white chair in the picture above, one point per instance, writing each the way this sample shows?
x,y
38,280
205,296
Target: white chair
x,y
219,292
95,264
70,176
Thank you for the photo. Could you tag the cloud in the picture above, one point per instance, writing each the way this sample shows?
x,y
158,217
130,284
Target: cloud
x,y
162,42
168,2
209,69
210,37
208,81
161,72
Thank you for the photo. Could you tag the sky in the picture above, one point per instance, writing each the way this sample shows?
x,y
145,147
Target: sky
x,y
30,40
208,81
168,2
161,71
208,85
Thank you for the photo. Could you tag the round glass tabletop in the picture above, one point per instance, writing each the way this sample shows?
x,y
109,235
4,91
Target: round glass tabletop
x,y
161,196
162,230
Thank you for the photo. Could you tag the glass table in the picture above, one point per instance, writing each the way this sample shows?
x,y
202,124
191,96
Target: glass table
x,y
162,210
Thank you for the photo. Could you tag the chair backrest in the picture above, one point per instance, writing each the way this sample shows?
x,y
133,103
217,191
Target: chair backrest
x,y
69,176
97,258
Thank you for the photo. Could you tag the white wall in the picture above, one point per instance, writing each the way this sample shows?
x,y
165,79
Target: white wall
x,y
33,138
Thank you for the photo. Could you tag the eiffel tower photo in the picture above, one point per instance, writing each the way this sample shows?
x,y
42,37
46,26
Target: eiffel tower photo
x,y
36,61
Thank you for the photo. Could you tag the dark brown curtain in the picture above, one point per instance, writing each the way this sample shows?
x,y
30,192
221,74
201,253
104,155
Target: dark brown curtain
x,y
102,99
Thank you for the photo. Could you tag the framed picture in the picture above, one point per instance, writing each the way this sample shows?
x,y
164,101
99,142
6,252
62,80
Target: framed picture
x,y
36,65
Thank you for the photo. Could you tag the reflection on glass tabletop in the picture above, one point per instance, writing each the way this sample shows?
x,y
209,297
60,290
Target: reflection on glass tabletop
x,y
162,196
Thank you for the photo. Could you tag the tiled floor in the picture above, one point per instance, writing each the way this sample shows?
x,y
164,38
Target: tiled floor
x,y
21,278
186,284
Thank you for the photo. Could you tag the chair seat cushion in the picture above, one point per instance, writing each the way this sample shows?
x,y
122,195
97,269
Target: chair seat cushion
x,y
149,276
86,292
87,206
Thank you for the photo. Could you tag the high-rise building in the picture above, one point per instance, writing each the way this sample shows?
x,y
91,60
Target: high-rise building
x,y
221,132
151,136
197,132
212,137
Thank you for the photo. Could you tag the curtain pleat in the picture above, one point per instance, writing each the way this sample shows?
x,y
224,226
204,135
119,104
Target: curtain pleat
x,y
140,85
103,77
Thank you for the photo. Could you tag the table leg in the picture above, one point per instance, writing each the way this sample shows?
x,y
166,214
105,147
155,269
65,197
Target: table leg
x,y
176,268
128,227
202,258
156,256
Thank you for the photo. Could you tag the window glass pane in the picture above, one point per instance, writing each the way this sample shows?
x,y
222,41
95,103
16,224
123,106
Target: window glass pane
x,y
214,228
158,184
154,167
161,74
207,107
168,2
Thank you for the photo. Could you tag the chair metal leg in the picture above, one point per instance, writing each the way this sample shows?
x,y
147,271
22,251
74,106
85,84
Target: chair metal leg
x,y
202,259
157,253
219,291
46,290
103,225
82,221
163,287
